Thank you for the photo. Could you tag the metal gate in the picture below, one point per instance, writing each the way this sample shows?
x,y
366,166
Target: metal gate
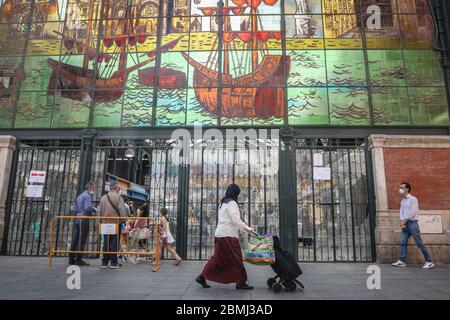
x,y
334,220
215,167
28,219
333,217
191,192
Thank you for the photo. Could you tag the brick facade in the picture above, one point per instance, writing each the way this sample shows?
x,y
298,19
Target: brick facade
x,y
428,171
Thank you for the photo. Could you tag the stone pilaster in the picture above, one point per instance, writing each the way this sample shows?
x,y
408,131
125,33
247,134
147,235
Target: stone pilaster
x,y
7,147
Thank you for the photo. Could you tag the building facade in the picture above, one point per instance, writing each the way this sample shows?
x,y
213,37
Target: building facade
x,y
83,81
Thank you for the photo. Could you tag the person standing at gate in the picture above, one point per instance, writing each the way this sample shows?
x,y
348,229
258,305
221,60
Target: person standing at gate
x,y
226,265
83,207
409,217
112,205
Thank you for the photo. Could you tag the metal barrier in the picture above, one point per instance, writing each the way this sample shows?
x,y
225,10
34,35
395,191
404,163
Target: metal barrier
x,y
151,222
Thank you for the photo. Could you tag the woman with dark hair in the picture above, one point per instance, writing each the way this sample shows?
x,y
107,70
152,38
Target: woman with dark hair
x,y
226,265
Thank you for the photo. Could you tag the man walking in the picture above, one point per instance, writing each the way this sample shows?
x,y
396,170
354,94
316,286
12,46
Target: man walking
x,y
111,205
80,231
409,216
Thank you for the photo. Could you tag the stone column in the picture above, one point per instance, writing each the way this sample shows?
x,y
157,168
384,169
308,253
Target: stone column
x,y
7,147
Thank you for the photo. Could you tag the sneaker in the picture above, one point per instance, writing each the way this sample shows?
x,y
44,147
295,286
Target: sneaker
x,y
202,281
82,263
428,265
177,261
399,264
104,266
116,266
243,287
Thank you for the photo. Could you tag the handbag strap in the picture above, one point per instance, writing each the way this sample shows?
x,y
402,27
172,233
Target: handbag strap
x,y
112,204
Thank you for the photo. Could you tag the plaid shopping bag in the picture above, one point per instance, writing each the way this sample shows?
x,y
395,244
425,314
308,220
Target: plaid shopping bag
x,y
260,250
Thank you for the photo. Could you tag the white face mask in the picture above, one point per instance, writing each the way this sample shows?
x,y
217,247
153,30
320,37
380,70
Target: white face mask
x,y
401,191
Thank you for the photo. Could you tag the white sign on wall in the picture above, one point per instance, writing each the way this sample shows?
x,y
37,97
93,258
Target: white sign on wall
x,y
430,223
34,191
322,173
37,176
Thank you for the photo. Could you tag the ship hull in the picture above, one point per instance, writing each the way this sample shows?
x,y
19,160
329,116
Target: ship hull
x,y
257,95
81,84
168,78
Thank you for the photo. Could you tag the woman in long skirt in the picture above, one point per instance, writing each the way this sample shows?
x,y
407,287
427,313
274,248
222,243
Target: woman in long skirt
x,y
226,265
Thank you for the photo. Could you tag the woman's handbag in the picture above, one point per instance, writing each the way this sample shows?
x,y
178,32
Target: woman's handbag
x,y
260,250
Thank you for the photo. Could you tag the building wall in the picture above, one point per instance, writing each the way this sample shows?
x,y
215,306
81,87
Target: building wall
x,y
424,161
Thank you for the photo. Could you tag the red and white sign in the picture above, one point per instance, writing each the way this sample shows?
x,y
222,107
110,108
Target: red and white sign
x,y
37,176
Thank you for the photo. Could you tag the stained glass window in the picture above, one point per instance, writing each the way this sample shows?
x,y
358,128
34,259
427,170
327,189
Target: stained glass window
x,y
172,63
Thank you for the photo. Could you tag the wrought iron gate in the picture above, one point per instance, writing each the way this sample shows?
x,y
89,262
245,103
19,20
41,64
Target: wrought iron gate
x,y
334,220
28,219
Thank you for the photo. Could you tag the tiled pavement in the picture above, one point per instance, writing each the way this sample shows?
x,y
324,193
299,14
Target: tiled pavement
x,y
31,278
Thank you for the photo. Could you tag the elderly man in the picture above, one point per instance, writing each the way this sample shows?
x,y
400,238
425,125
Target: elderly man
x,y
80,229
111,205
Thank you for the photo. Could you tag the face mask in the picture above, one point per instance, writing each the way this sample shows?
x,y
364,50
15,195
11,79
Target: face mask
x,y
401,191
91,193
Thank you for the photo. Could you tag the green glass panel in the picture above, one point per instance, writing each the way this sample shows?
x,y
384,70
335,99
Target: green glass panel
x,y
107,114
390,106
423,68
196,113
428,106
138,108
308,106
171,107
71,113
346,68
307,68
34,110
386,68
349,106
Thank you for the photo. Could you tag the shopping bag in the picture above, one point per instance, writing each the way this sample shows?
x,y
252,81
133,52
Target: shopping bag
x,y
260,250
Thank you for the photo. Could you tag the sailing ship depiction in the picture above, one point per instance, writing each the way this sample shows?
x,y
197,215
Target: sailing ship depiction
x,y
85,84
250,89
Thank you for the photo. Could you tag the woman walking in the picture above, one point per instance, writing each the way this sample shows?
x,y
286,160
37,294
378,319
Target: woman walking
x,y
226,266
167,239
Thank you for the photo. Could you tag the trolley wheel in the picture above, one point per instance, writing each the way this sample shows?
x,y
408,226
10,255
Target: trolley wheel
x,y
291,286
277,287
270,282
300,285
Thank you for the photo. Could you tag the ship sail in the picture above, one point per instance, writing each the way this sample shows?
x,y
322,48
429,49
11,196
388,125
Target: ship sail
x,y
250,83
116,25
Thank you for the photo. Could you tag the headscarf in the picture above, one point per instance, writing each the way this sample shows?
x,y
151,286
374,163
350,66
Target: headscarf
x,y
231,194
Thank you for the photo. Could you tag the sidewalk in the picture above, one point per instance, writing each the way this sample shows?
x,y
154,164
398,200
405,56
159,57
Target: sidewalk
x,y
31,278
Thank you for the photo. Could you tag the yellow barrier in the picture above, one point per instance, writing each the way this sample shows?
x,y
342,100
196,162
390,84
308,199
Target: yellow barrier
x,y
150,222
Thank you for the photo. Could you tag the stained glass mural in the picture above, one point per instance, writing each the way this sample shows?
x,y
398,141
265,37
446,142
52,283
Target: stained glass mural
x,y
171,63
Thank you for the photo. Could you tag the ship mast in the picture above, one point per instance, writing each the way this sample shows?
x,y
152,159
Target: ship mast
x,y
123,45
88,35
226,57
254,40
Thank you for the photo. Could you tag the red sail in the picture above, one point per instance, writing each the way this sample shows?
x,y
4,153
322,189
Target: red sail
x,y
261,36
254,3
211,11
